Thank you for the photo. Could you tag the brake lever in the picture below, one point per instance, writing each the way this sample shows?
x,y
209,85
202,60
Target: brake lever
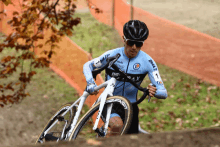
x,y
149,99
149,95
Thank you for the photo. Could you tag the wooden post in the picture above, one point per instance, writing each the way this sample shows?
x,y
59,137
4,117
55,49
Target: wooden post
x,y
131,9
1,16
113,13
90,51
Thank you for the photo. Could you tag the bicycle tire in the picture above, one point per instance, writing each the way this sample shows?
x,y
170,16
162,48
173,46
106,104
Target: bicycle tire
x,y
41,138
116,100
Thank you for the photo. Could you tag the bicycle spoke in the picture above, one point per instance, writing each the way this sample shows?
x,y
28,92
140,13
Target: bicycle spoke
x,y
87,130
57,125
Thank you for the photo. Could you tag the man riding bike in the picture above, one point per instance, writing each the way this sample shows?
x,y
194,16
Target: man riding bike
x,y
135,63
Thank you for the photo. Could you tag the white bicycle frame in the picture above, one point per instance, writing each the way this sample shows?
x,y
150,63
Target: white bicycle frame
x,y
110,85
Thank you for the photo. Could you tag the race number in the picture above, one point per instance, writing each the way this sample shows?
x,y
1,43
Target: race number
x,y
157,76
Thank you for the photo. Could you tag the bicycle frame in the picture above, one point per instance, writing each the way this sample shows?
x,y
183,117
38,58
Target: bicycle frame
x,y
110,85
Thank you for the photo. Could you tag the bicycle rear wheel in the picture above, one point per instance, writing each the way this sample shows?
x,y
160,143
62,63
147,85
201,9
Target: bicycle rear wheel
x,y
84,128
56,130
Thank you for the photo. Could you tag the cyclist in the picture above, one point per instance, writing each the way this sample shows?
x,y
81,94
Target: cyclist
x,y
135,63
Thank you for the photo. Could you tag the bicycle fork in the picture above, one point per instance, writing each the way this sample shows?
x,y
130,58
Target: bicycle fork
x,y
107,92
103,130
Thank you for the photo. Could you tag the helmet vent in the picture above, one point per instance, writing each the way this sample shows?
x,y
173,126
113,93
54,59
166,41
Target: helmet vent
x,y
136,30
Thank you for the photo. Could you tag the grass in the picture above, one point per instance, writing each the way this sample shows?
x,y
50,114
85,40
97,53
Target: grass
x,y
191,103
91,34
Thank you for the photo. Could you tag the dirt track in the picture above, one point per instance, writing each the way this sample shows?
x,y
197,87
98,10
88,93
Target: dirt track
x,y
199,138
200,15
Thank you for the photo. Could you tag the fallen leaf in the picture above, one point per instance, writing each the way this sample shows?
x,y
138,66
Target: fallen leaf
x,y
93,142
134,137
142,115
179,121
208,99
196,119
215,120
155,120
45,96
187,85
171,96
173,86
187,121
180,80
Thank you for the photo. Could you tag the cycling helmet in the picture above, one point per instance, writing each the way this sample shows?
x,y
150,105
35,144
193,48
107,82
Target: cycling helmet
x,y
135,30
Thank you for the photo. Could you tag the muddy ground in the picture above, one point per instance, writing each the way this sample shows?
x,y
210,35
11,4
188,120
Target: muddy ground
x,y
199,138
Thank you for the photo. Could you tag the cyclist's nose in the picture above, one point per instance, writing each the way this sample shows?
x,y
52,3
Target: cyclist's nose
x,y
134,46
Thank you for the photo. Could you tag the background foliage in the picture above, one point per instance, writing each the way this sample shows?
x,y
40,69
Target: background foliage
x,y
44,14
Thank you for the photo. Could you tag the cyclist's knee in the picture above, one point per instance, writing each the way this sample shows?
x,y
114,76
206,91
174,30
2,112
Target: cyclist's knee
x,y
115,126
115,122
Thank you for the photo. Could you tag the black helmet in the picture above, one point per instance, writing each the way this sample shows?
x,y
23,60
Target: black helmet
x,y
135,30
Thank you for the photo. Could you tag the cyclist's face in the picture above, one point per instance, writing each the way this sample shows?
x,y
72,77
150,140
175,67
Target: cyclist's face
x,y
131,51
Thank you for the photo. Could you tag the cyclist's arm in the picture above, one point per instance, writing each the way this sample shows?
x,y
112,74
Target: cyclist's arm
x,y
89,66
156,80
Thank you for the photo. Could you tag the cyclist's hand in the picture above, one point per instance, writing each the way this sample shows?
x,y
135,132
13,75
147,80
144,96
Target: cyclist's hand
x,y
152,90
90,89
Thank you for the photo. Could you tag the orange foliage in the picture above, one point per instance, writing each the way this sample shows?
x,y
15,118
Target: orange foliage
x,y
43,14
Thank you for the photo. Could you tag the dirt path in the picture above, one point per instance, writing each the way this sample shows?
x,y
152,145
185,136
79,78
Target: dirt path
x,y
200,15
198,138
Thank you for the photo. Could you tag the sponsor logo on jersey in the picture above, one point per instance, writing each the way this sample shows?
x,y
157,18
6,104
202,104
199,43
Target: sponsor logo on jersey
x,y
136,66
159,82
119,77
115,74
119,62
105,57
152,63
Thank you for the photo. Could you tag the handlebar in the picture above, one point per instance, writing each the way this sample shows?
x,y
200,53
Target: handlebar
x,y
110,63
146,92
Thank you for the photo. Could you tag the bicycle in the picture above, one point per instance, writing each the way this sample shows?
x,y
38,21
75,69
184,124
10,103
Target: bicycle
x,y
66,118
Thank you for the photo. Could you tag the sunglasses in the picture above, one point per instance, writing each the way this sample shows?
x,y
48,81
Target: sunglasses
x,y
132,42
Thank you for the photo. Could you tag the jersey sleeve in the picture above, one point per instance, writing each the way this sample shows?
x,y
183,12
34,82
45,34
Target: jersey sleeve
x,y
156,80
89,66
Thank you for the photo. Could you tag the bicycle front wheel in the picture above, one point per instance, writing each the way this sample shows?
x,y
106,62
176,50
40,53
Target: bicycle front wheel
x,y
57,124
84,128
